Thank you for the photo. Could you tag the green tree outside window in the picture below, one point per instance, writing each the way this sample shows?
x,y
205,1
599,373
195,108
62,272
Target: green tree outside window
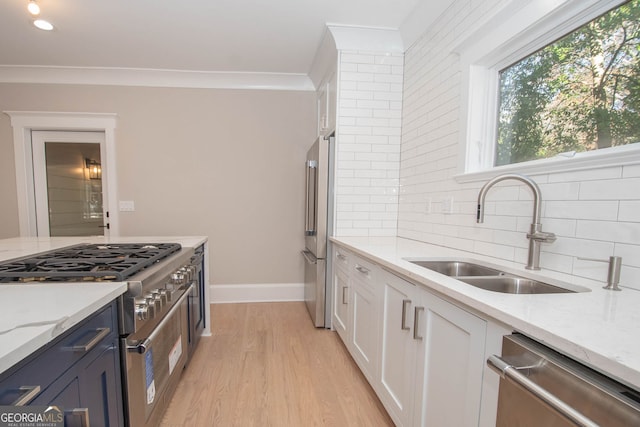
x,y
579,93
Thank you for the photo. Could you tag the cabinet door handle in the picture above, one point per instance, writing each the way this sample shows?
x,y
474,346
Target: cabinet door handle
x,y
100,334
416,317
345,299
29,392
404,326
83,413
362,269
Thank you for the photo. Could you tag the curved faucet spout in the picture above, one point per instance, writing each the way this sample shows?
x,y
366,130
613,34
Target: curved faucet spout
x,y
536,236
524,179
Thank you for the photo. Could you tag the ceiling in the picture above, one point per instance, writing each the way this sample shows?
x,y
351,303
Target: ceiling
x,y
278,37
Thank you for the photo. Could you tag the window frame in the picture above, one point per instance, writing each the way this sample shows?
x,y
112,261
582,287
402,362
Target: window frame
x,y
518,29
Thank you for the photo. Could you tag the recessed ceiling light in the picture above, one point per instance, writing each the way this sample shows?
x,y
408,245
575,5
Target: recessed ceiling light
x,y
33,8
43,25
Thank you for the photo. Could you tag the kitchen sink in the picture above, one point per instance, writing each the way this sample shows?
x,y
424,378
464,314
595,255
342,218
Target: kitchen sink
x,y
458,268
490,278
513,285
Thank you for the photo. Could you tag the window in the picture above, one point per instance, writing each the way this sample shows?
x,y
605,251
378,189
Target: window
x,y
528,70
580,93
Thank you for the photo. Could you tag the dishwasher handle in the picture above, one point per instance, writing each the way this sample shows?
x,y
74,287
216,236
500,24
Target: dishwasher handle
x,y
510,373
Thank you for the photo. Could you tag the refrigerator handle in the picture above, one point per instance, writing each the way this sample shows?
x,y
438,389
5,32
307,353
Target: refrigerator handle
x,y
310,198
311,259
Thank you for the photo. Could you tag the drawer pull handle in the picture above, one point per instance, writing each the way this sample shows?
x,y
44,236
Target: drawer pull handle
x,y
29,392
341,257
345,299
81,412
404,326
100,334
362,269
416,319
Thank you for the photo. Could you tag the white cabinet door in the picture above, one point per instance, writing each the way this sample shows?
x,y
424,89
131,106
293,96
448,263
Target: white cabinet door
x,y
341,294
398,349
363,341
450,365
323,108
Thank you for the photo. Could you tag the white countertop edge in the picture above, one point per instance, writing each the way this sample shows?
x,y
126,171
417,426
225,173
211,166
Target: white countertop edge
x,y
21,342
576,331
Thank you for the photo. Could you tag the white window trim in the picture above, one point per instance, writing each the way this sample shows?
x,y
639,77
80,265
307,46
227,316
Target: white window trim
x,y
515,31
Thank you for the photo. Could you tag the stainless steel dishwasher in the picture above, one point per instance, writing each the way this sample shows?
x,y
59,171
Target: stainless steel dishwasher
x,y
540,387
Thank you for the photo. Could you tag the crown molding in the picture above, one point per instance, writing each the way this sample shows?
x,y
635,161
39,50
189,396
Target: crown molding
x,y
155,78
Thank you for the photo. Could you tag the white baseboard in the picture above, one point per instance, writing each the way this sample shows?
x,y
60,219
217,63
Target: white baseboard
x,y
261,292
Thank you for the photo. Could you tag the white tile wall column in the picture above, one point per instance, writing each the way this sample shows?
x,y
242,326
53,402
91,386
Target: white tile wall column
x,y
368,143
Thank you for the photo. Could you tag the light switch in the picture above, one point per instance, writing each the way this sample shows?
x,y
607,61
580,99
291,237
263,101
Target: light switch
x,y
126,206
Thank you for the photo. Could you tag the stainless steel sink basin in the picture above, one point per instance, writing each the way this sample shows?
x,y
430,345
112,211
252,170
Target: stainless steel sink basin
x,y
513,285
457,268
492,279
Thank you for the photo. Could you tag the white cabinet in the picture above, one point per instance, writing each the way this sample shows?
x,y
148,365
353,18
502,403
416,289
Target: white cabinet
x,y
341,291
327,108
398,348
432,358
363,339
451,360
355,309
423,355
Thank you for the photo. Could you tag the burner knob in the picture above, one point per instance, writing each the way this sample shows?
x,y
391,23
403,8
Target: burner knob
x,y
153,302
158,297
186,273
142,311
162,294
166,293
177,279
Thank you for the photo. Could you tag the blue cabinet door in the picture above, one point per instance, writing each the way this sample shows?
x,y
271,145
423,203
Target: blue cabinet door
x,y
101,389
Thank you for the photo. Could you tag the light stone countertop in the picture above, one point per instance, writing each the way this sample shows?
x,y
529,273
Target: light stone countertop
x,y
33,314
599,328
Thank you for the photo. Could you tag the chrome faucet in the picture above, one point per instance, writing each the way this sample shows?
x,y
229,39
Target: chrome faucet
x,y
536,236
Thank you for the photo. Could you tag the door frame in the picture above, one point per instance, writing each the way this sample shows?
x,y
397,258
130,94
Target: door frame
x,y
23,122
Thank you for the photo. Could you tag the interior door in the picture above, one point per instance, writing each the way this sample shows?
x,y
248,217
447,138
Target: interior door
x,y
68,178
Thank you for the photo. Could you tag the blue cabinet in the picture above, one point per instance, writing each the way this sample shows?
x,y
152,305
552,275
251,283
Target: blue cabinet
x,y
79,371
197,304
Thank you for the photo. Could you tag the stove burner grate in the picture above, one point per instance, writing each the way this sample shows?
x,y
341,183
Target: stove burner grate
x,y
86,262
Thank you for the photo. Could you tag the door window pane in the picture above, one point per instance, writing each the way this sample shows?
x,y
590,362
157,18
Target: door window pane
x,y
74,188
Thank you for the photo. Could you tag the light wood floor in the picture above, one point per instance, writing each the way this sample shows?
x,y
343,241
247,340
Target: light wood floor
x,y
266,365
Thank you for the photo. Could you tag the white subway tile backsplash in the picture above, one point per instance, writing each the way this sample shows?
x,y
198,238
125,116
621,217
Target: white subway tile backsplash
x,y
611,189
630,254
609,231
631,171
571,209
629,210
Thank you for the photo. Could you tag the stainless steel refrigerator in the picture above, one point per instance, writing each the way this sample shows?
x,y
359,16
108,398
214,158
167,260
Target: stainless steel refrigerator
x,y
317,224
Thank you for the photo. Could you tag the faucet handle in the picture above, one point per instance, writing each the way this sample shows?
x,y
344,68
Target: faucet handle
x,y
613,275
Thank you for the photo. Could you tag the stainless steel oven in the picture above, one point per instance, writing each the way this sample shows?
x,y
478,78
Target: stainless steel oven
x,y
540,387
154,363
155,337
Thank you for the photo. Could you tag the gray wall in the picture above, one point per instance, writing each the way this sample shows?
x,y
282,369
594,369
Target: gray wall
x,y
223,163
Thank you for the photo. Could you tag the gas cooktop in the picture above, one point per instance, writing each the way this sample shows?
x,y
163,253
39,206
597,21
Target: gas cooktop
x,y
114,262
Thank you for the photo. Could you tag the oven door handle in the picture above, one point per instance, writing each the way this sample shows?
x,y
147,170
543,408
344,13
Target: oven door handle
x,y
142,346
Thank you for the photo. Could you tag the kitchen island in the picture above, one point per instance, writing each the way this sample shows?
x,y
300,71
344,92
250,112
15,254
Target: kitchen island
x,y
599,328
33,314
